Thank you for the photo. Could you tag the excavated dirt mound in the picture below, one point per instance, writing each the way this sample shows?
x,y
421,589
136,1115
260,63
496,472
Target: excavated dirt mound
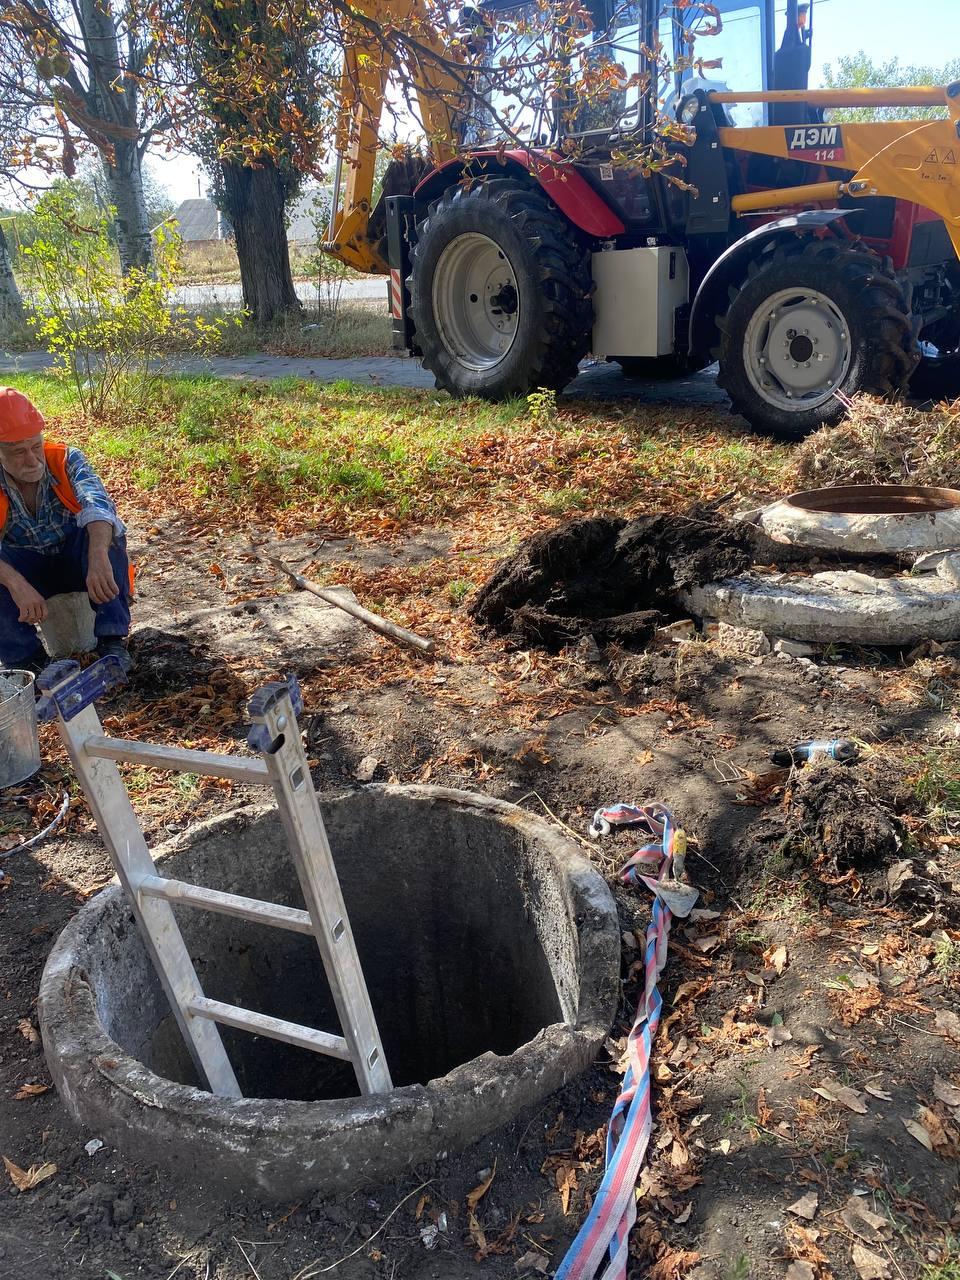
x,y
842,821
167,662
609,578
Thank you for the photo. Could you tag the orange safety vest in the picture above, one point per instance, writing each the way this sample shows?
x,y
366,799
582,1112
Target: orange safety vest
x,y
55,456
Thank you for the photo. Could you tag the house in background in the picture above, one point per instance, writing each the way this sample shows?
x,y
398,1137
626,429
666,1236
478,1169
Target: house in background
x,y
199,220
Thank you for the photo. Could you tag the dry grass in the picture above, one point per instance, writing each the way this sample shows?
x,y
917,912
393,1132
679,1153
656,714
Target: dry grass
x,y
208,262
215,262
360,327
882,443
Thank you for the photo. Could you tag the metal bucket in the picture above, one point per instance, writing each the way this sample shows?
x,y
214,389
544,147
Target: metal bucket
x,y
19,744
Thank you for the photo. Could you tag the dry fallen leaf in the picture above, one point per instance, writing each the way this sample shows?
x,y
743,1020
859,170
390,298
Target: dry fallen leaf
x,y
799,1270
531,1263
863,1222
930,1121
870,1266
946,1092
843,1094
775,958
683,1217
476,1195
673,1264
874,1092
27,1179
916,1130
804,1247
948,1024
566,1180
806,1206
28,1031
30,1091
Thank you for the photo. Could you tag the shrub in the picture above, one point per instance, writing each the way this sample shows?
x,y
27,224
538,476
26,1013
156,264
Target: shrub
x,y
108,332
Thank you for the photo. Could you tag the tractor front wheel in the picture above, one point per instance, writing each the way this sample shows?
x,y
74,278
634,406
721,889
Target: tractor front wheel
x,y
500,292
813,324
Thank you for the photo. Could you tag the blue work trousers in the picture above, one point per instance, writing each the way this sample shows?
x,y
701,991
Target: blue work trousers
x,y
52,575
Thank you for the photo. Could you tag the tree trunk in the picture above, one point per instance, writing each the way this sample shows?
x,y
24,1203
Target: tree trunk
x,y
125,192
114,106
253,200
11,304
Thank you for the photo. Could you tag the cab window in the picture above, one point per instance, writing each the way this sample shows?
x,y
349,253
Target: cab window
x,y
740,50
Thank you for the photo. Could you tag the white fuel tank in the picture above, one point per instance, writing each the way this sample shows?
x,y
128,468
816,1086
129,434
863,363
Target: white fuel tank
x,y
635,301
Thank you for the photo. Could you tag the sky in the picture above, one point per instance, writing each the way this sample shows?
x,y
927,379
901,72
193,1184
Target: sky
x,y
921,32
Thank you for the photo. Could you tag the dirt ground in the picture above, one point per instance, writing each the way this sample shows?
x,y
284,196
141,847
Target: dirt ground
x,y
807,1091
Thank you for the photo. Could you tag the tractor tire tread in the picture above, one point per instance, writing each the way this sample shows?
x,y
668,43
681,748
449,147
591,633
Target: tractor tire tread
x,y
562,271
882,365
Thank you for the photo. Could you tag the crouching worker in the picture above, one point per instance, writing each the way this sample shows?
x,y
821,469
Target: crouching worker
x,y
59,532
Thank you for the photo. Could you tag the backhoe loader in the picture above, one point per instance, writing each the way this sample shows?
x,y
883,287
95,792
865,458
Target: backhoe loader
x,y
812,257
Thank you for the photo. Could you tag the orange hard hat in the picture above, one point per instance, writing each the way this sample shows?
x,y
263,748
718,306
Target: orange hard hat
x,y
20,419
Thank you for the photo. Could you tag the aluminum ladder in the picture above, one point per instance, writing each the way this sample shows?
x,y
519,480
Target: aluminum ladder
x,y
68,697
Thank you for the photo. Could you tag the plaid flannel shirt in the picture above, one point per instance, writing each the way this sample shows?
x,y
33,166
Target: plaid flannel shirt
x,y
46,531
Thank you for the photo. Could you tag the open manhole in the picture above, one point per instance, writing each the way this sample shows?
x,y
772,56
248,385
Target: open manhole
x,y
489,945
877,500
868,519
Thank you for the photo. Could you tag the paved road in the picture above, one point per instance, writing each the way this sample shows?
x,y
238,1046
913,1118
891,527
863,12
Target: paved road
x,y
595,381
213,295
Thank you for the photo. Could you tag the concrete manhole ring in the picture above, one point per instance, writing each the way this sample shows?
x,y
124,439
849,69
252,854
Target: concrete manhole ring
x,y
490,947
840,606
867,519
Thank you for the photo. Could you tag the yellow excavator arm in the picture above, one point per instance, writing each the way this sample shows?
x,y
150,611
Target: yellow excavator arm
x,y
429,65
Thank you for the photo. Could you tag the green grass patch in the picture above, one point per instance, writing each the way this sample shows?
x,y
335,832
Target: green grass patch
x,y
949,1268
407,455
936,784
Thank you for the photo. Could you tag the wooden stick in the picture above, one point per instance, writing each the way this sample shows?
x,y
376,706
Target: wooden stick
x,y
400,635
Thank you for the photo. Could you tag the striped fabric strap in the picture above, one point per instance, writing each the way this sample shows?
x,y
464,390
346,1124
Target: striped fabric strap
x,y
606,1230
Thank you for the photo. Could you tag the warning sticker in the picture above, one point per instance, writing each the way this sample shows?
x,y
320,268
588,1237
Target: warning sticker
x,y
822,143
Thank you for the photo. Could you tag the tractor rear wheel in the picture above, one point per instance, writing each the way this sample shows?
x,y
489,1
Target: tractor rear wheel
x,y
500,292
814,323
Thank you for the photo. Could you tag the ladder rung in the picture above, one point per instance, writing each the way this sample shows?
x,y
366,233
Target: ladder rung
x,y
227,904
178,759
261,1024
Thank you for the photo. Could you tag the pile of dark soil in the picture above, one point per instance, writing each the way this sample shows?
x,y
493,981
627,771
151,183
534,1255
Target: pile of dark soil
x,y
609,578
836,816
166,662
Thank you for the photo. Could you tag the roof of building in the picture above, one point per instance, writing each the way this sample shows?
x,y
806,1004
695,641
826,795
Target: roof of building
x,y
197,219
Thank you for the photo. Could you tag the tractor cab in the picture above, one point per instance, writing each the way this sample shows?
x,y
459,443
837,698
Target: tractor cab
x,y
747,46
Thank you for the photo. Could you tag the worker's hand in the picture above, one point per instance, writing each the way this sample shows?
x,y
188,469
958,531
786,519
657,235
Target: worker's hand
x,y
101,584
32,606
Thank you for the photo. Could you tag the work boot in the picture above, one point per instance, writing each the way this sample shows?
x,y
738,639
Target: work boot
x,y
117,646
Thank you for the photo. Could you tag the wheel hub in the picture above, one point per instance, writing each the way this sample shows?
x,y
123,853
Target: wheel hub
x,y
797,349
476,301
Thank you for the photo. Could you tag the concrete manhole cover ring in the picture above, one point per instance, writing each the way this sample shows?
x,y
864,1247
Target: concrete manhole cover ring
x,y
868,519
490,946
841,606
